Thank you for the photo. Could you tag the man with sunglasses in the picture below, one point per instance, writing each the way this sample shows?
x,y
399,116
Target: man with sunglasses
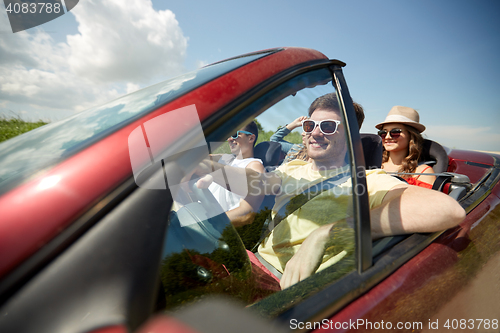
x,y
241,145
293,151
300,244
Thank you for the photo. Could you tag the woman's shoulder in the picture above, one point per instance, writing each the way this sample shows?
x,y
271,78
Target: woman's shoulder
x,y
424,168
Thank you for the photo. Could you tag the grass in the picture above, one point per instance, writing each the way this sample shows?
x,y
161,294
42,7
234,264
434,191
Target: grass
x,y
293,137
11,127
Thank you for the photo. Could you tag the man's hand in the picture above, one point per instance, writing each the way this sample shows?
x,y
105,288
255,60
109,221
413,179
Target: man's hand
x,y
205,181
307,259
203,169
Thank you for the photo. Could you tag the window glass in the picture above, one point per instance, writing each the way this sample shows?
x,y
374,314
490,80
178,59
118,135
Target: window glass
x,y
28,153
236,234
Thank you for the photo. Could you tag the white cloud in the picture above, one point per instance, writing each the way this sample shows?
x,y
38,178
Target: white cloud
x,y
131,87
201,63
464,137
121,45
124,40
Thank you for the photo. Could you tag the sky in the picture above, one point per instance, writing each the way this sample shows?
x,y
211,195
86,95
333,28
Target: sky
x,y
440,57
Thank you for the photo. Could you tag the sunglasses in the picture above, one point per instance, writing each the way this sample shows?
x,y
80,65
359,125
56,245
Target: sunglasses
x,y
235,136
395,133
327,127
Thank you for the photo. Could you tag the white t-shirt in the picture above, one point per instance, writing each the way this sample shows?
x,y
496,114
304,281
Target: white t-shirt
x,y
226,199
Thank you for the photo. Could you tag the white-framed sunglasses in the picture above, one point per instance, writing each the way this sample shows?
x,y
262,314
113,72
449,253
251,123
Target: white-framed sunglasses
x,y
327,127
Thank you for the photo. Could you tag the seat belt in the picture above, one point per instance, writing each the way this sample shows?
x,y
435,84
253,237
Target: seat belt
x,y
267,265
318,188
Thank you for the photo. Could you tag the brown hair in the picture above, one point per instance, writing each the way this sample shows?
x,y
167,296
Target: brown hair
x,y
415,147
252,128
326,102
330,102
360,113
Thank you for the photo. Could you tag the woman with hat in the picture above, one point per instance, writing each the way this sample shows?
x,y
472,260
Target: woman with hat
x,y
400,133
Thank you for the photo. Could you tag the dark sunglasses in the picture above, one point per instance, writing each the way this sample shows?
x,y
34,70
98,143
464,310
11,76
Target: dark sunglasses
x,y
327,127
395,133
235,136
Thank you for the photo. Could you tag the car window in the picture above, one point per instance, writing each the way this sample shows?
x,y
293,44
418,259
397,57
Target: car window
x,y
205,253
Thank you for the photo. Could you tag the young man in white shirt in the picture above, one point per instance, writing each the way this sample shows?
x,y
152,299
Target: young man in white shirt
x,y
242,145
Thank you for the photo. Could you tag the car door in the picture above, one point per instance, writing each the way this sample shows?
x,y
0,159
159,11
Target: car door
x,y
214,259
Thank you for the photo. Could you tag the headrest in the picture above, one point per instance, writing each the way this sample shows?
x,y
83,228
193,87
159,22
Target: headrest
x,y
269,152
435,155
372,149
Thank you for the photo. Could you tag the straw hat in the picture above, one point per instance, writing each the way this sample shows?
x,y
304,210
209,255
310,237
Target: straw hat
x,y
403,115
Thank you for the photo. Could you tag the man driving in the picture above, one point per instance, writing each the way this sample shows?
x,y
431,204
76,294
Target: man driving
x,y
242,145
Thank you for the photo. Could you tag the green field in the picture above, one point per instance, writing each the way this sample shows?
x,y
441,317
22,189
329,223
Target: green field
x,y
11,127
293,137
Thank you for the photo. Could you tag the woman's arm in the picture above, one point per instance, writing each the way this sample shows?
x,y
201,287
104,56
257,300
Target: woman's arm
x,y
279,135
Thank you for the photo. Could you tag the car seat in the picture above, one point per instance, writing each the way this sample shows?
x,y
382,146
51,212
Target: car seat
x,y
434,155
269,152
372,149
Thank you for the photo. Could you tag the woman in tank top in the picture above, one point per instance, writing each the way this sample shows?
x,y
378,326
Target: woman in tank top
x,y
400,133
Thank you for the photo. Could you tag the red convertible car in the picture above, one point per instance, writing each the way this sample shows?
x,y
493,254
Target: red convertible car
x,y
99,231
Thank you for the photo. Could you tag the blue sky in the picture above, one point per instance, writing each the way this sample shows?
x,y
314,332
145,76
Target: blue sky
x,y
439,57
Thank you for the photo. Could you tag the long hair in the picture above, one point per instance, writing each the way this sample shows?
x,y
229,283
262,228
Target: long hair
x,y
415,147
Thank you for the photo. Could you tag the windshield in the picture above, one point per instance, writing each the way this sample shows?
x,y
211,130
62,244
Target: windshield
x,y
22,156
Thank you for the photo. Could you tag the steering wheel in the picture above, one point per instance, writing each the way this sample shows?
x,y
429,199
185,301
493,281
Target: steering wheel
x,y
207,200
217,220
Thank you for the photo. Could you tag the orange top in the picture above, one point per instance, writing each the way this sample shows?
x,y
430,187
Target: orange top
x,y
415,181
